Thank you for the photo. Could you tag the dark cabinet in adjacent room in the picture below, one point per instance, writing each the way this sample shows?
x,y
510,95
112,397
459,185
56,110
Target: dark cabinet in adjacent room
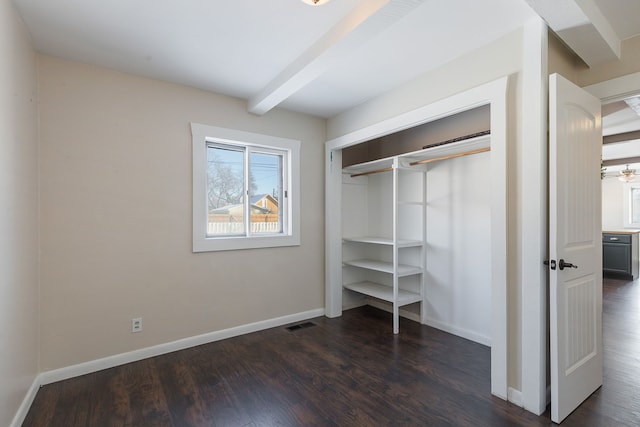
x,y
620,253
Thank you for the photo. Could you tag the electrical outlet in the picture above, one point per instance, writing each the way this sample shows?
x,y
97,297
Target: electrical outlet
x,y
136,324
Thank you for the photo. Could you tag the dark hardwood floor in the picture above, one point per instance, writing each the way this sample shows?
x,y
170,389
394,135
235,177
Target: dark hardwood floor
x,y
349,371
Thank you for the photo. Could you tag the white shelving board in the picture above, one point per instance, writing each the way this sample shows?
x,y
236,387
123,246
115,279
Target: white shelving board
x,y
402,243
385,267
369,166
383,292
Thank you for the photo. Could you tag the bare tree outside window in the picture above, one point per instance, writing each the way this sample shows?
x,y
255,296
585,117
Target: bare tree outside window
x,y
225,177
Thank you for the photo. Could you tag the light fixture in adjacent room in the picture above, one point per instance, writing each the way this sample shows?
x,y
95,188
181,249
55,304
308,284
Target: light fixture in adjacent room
x,y
315,2
634,104
627,175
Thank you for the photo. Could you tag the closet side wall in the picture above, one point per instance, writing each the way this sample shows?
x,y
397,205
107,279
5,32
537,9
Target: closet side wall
x,y
459,247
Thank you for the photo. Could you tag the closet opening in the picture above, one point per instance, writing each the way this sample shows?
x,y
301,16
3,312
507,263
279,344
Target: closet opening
x,y
416,225
416,220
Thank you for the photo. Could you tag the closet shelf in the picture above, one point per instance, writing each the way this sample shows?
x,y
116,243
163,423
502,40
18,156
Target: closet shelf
x,y
373,166
402,243
412,160
436,153
384,267
383,292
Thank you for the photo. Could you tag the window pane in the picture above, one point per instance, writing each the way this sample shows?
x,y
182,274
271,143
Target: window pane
x,y
265,178
635,205
225,190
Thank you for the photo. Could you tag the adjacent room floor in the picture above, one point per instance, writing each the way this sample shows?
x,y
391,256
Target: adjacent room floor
x,y
349,371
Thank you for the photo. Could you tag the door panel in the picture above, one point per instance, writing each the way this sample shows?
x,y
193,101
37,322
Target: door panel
x,y
575,237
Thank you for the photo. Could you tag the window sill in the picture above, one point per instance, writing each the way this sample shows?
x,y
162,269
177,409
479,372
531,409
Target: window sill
x,y
213,244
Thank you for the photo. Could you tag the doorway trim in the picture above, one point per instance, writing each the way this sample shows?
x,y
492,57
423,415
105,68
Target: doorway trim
x,y
494,94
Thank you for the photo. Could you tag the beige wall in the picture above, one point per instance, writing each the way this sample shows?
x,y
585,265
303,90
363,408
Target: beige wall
x,y
116,217
628,63
562,60
498,59
19,214
504,57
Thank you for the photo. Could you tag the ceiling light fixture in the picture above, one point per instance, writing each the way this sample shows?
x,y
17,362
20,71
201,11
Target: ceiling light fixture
x,y
315,2
627,175
634,104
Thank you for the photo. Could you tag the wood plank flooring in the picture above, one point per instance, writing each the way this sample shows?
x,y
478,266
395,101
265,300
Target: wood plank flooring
x,y
349,371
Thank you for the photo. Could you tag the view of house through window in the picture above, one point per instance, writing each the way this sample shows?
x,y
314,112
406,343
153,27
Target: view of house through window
x,y
244,190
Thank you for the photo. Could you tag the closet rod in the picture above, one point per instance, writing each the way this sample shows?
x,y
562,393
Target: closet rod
x,y
450,156
371,172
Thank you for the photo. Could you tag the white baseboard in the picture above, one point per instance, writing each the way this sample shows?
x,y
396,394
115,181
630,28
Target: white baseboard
x,y
156,350
515,396
461,332
55,375
18,419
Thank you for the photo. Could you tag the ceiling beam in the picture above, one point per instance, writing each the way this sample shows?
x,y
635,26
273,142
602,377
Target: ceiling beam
x,y
623,161
364,22
582,26
621,137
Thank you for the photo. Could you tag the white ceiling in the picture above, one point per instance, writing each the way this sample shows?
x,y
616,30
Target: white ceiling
x,y
318,60
594,29
238,47
618,118
623,15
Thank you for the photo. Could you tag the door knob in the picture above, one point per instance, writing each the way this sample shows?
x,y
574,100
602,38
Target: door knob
x,y
562,265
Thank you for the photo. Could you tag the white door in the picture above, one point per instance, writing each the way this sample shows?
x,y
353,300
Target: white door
x,y
575,240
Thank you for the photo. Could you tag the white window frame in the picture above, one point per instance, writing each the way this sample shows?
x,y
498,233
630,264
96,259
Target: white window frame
x,y
627,205
290,236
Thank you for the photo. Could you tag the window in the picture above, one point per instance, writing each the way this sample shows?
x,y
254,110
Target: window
x,y
245,190
631,208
